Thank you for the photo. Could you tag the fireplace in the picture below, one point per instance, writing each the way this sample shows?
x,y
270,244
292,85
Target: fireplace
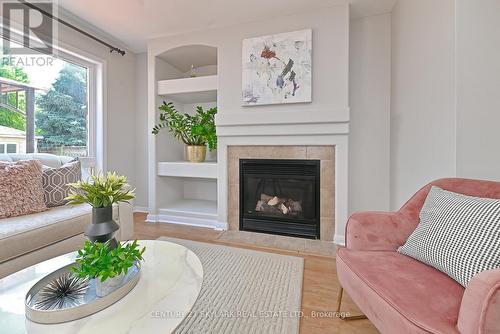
x,y
280,197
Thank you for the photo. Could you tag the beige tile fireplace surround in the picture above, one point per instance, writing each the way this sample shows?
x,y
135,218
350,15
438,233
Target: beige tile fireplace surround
x,y
326,155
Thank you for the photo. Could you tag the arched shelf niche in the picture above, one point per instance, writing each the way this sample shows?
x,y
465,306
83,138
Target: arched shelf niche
x,y
186,192
188,74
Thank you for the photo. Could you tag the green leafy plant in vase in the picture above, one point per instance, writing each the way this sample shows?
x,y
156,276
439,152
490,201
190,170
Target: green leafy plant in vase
x,y
101,192
107,266
196,131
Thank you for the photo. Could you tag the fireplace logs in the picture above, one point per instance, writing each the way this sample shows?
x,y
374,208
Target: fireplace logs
x,y
278,205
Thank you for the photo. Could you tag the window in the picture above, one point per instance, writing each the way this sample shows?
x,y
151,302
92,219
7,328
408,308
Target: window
x,y
47,99
9,148
56,104
61,116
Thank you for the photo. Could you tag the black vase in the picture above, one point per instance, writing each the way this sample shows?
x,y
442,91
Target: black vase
x,y
103,226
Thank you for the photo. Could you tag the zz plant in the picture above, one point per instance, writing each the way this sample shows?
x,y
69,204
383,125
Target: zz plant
x,y
97,260
197,129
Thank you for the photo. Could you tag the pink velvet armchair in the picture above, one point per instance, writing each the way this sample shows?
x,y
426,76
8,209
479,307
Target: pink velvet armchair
x,y
402,295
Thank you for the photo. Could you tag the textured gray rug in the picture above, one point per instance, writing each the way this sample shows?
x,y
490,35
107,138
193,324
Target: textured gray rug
x,y
244,291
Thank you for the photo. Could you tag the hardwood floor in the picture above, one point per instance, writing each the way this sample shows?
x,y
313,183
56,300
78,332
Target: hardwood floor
x,y
319,290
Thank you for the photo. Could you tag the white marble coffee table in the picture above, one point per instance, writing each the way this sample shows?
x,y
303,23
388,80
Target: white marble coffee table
x,y
170,282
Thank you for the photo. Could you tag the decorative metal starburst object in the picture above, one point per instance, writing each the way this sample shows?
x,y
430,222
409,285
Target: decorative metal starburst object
x,y
64,291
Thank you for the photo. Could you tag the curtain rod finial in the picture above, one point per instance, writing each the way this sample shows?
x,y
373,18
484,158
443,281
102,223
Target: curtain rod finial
x,y
120,51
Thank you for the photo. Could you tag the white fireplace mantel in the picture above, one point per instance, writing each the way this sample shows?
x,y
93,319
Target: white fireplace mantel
x,y
255,130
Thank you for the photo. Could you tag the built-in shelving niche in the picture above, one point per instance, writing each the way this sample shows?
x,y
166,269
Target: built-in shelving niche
x,y
189,90
186,193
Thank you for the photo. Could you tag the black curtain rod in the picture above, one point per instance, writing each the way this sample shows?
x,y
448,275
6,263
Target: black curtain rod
x,y
69,25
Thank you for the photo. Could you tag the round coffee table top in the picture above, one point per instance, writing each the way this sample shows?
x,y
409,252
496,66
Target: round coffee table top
x,y
171,279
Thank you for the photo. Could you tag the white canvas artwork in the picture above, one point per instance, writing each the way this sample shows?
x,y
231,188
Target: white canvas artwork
x,y
277,68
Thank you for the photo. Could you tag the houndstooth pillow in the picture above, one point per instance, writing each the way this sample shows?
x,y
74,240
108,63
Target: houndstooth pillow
x,y
458,234
55,182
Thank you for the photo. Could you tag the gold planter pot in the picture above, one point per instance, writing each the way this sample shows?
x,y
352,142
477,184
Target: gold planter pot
x,y
196,153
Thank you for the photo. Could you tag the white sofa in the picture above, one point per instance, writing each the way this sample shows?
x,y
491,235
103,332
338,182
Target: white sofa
x,y
29,239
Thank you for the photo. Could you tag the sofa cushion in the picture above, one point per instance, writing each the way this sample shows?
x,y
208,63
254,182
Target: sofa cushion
x,y
457,234
5,157
55,182
21,189
24,234
427,298
46,159
49,160
59,248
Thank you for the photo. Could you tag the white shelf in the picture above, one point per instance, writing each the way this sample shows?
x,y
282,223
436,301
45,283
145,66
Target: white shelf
x,y
192,207
205,170
189,90
190,212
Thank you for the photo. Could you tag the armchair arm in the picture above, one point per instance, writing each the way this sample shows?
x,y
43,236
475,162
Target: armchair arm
x,y
480,307
373,230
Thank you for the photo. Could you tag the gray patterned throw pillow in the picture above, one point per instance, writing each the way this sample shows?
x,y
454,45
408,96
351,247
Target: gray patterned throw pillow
x,y
457,234
55,182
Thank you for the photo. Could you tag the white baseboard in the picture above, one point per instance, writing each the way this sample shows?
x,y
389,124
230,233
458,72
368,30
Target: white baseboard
x,y
221,226
151,218
141,209
189,221
339,239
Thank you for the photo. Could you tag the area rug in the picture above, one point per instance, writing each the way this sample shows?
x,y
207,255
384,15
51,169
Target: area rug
x,y
244,291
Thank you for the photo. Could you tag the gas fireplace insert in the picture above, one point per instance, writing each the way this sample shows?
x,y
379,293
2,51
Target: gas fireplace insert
x,y
280,197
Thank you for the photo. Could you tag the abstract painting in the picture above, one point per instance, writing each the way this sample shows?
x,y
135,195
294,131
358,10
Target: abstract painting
x,y
277,68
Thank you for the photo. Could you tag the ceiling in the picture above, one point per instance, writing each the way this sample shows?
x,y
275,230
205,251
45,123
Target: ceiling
x,y
133,22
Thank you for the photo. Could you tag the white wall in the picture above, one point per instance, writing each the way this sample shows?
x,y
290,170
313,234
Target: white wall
x,y
330,64
478,89
422,97
141,131
120,122
445,84
369,101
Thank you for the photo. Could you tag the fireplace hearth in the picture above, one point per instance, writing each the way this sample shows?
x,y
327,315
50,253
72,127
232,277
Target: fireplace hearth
x,y
280,197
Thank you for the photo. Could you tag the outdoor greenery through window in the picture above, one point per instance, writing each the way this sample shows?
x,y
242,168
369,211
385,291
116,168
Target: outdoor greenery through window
x,y
43,106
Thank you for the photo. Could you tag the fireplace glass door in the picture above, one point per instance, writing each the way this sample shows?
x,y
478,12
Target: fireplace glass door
x,y
280,196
